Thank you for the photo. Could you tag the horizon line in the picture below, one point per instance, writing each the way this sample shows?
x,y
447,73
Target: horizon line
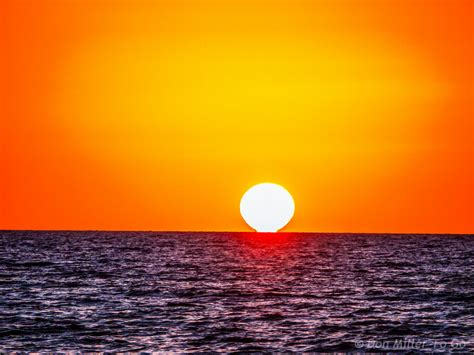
x,y
209,231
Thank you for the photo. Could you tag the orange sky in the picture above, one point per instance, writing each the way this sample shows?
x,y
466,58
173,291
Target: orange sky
x,y
158,115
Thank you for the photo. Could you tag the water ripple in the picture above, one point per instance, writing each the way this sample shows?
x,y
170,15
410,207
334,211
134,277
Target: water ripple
x,y
137,291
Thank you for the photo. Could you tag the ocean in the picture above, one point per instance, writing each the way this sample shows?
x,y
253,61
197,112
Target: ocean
x,y
207,292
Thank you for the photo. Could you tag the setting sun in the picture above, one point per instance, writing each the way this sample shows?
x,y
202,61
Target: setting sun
x,y
267,207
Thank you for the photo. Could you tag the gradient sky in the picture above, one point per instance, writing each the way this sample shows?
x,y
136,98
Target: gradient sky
x,y
159,115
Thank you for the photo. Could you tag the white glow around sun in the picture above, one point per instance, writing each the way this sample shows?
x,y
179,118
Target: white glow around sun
x,y
267,207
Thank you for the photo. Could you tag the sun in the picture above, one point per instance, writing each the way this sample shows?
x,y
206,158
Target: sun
x,y
267,207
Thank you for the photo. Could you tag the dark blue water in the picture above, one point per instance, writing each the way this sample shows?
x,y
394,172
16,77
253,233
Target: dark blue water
x,y
139,291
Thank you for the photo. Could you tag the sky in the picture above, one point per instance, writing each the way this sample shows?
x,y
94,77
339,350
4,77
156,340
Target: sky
x,y
159,115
